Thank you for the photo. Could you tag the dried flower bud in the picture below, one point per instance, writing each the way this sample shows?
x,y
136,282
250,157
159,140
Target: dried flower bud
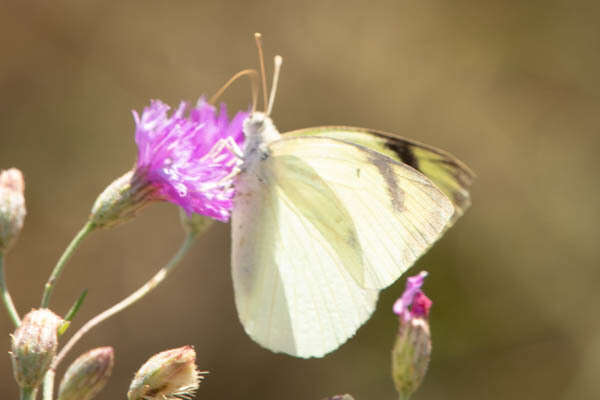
x,y
412,350
34,347
195,223
12,206
171,374
121,200
87,375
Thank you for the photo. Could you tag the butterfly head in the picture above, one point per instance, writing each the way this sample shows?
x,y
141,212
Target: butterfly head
x,y
258,129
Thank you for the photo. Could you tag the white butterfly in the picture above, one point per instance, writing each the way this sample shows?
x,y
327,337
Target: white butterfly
x,y
326,217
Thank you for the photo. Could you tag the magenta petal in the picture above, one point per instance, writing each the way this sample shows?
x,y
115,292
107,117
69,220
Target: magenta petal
x,y
421,305
184,156
413,303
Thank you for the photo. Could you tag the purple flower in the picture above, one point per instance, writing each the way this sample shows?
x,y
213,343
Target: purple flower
x,y
413,303
189,159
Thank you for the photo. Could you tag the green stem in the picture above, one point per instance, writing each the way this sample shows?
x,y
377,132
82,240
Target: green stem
x,y
62,261
28,394
8,303
129,300
48,385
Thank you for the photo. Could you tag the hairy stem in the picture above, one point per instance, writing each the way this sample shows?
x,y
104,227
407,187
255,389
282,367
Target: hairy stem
x,y
62,261
8,303
129,300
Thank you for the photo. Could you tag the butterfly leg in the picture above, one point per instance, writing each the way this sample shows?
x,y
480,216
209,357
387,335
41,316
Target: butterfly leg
x,y
233,147
238,159
223,151
238,154
217,154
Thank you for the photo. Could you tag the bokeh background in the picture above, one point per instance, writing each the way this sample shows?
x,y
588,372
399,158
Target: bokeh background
x,y
512,88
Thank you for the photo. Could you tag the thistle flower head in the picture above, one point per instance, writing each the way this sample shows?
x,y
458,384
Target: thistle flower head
x,y
34,346
12,206
171,374
186,158
190,160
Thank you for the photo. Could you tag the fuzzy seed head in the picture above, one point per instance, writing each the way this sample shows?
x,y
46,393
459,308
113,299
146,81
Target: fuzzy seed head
x,y
34,346
171,374
12,207
340,397
87,375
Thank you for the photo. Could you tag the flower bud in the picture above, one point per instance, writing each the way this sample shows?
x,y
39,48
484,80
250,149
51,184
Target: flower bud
x,y
34,347
412,349
194,224
121,200
171,374
12,207
340,397
87,375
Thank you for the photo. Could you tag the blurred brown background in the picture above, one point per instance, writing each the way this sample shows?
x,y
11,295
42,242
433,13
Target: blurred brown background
x,y
512,88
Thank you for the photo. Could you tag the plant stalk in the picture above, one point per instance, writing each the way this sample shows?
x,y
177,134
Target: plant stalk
x,y
48,391
28,394
62,261
128,301
6,298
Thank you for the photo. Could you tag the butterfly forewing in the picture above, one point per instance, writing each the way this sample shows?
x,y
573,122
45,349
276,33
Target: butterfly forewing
x,y
448,173
396,212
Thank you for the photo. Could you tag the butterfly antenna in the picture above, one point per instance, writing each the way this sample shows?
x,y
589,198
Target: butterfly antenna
x,y
252,74
261,58
278,61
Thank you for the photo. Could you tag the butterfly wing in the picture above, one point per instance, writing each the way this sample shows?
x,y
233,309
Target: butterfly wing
x,y
318,226
448,173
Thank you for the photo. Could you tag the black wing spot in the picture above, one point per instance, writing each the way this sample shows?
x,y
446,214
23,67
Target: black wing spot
x,y
404,152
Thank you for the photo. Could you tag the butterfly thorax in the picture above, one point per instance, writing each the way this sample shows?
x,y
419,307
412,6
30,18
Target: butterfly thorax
x,y
259,131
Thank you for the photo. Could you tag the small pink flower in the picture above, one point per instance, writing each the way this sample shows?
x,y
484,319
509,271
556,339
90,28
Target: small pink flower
x,y
188,159
412,349
413,303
